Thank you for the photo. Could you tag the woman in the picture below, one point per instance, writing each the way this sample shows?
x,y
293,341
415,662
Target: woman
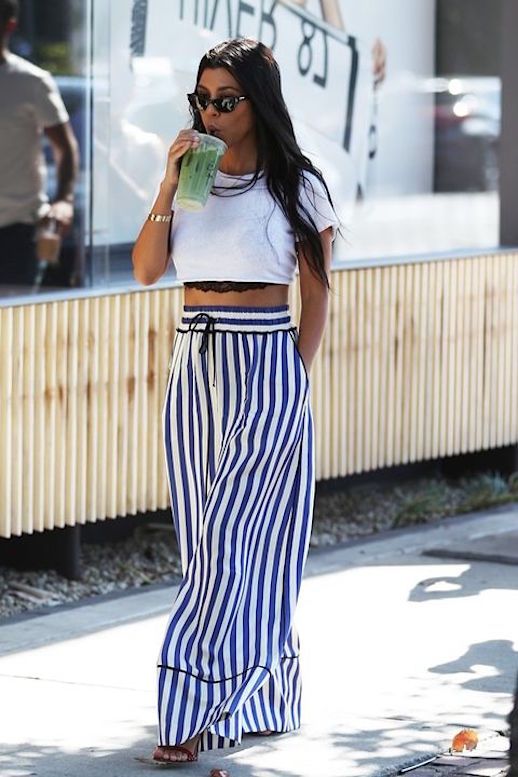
x,y
237,418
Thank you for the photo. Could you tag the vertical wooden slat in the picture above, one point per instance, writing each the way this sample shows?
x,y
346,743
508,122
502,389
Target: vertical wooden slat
x,y
477,365
459,349
340,280
414,329
83,484
102,325
133,406
141,472
365,351
153,409
489,295
391,365
399,364
499,310
72,432
463,362
92,488
450,345
496,407
435,358
352,384
404,373
348,351
442,397
318,380
6,435
333,337
513,390
50,398
375,369
503,338
28,442
407,399
167,322
123,399
506,279
384,367
113,458
61,412
41,483
18,427
421,308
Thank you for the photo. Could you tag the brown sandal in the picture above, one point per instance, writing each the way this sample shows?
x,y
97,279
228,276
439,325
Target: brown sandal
x,y
191,755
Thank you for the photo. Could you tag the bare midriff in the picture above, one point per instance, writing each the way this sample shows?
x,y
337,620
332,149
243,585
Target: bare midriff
x,y
236,293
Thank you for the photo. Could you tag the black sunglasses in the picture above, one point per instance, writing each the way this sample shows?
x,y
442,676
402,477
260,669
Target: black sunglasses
x,y
201,102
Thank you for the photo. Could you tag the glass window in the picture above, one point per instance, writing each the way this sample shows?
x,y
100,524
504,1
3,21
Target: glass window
x,y
44,88
397,102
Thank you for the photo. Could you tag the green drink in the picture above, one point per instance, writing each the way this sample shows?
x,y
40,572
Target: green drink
x,y
198,171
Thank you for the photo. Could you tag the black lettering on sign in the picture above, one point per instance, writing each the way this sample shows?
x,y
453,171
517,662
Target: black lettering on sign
x,y
243,8
353,83
306,49
267,19
199,18
215,8
138,28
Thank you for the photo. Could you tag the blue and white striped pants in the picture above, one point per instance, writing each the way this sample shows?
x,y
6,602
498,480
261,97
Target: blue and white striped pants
x,y
239,446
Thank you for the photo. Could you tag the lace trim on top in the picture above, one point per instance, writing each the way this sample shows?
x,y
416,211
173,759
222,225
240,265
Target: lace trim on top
x,y
222,286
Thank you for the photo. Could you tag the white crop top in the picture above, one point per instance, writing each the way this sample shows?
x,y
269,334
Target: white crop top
x,y
245,236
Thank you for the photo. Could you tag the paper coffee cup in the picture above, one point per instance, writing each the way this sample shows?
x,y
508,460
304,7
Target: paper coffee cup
x,y
48,242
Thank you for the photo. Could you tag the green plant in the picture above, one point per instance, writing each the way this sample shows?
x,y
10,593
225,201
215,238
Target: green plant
x,y
420,506
484,491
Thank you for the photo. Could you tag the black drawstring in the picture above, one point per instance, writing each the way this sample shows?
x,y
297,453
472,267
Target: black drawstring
x,y
209,329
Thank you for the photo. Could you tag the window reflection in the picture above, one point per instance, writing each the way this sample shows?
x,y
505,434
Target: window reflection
x,y
41,134
417,175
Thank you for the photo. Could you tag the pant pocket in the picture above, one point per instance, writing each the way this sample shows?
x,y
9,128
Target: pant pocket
x,y
294,337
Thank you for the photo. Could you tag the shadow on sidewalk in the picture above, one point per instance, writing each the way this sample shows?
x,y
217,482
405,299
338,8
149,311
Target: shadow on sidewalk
x,y
377,751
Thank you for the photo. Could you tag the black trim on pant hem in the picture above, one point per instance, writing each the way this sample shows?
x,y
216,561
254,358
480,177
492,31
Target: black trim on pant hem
x,y
203,680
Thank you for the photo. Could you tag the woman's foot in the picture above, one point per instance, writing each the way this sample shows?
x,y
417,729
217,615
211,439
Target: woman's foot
x,y
187,751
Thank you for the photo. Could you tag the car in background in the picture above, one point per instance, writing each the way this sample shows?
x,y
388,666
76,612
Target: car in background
x,y
467,133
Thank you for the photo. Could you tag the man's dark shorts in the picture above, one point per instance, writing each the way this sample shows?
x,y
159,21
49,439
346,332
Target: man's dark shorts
x,y
18,261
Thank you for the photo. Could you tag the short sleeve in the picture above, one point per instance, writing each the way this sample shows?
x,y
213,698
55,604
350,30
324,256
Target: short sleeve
x,y
48,104
314,198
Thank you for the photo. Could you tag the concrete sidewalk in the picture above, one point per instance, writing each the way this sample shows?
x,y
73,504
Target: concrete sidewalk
x,y
399,651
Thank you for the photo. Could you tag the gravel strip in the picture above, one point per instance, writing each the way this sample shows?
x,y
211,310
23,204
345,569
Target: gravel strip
x,y
151,555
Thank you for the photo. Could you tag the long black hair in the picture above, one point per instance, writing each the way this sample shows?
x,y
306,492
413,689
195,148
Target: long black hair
x,y
278,154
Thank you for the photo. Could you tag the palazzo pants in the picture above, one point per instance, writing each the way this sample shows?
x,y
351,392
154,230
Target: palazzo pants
x,y
239,445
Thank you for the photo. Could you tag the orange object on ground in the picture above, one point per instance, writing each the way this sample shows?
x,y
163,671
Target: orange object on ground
x,y
465,739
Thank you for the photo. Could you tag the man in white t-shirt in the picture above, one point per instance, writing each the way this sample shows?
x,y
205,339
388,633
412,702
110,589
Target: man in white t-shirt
x,y
30,104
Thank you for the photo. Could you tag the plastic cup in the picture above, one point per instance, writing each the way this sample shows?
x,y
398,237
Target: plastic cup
x,y
198,171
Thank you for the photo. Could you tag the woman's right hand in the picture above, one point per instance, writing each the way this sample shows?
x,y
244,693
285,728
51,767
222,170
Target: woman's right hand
x,y
186,139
